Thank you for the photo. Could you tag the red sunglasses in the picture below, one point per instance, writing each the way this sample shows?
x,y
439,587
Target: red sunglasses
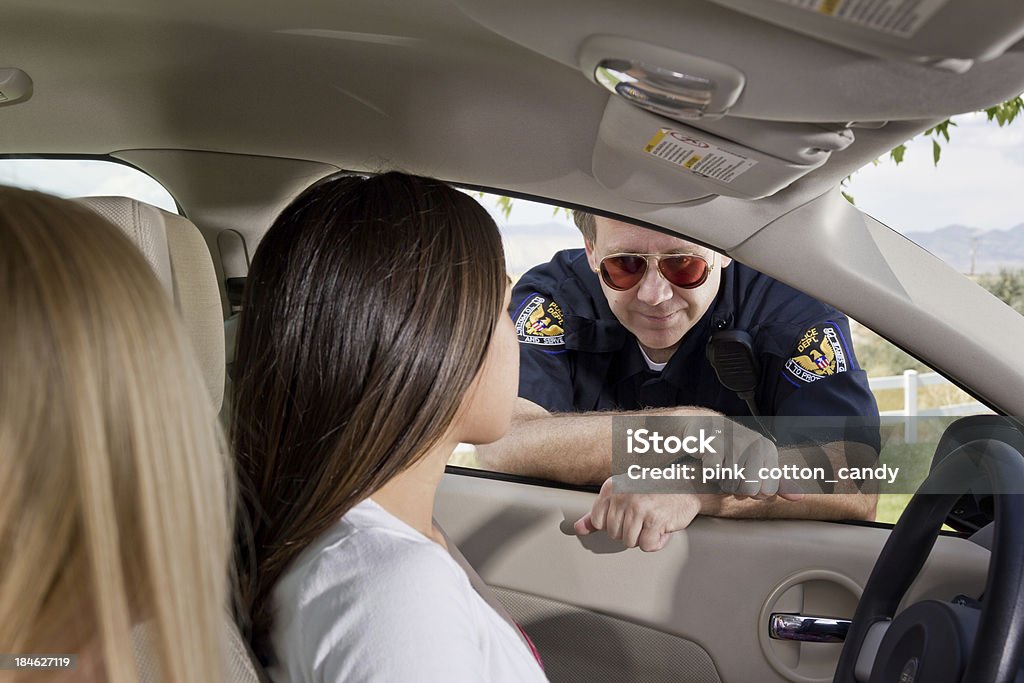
x,y
625,271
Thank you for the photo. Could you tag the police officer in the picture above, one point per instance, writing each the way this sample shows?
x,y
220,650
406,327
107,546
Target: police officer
x,y
623,325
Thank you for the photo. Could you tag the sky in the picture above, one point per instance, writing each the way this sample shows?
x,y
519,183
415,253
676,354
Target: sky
x,y
973,184
977,182
85,178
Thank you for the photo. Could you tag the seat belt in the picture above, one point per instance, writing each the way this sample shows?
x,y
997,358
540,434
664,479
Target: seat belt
x,y
485,592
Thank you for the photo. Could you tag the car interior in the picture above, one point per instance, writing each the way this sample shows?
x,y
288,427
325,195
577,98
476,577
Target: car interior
x,y
237,107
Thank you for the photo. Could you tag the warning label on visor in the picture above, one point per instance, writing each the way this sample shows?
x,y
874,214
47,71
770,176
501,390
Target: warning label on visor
x,y
699,156
896,17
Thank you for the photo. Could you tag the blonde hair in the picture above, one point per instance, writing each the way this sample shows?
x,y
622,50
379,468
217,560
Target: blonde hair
x,y
116,503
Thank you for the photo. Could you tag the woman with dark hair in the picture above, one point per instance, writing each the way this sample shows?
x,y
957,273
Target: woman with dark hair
x,y
373,339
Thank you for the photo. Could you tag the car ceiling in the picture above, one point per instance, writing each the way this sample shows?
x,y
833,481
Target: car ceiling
x,y
235,106
478,91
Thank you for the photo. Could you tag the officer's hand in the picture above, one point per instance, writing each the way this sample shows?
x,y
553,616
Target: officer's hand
x,y
646,520
741,448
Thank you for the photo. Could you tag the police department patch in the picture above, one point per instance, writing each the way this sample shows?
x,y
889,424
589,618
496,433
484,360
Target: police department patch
x,y
820,353
540,321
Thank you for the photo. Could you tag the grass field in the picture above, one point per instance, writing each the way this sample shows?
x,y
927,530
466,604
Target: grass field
x,y
934,396
914,461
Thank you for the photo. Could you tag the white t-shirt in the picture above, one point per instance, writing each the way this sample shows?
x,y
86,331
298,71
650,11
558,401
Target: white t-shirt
x,y
373,599
656,367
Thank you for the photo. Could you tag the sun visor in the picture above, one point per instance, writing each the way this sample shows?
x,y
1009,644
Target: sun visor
x,y
923,31
652,159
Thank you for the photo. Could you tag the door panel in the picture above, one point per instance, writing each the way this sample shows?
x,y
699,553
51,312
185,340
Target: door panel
x,y
711,587
583,645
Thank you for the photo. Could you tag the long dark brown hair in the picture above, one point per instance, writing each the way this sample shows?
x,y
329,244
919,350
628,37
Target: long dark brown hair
x,y
369,308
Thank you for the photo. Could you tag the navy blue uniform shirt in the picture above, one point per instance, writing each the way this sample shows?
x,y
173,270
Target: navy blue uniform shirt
x,y
575,356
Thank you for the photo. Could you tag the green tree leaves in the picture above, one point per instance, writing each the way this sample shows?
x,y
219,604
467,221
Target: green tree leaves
x,y
940,130
1003,114
897,152
504,205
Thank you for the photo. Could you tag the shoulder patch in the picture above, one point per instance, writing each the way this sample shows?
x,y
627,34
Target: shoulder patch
x,y
540,321
821,352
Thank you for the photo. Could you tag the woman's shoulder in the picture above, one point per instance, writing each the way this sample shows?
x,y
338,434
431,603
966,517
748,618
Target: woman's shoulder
x,y
376,600
364,584
371,556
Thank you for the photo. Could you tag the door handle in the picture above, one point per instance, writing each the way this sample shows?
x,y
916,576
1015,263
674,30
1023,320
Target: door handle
x,y
807,629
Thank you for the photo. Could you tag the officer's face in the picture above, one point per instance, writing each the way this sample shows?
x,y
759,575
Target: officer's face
x,y
656,312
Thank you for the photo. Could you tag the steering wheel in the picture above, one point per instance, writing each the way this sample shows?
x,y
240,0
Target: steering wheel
x,y
941,642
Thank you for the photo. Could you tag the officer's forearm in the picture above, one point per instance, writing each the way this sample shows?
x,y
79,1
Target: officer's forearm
x,y
846,502
571,448
823,506
575,448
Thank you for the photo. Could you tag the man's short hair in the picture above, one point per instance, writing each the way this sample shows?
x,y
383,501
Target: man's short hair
x,y
586,223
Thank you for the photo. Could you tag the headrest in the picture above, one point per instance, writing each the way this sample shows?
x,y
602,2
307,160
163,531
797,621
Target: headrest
x,y
144,225
178,254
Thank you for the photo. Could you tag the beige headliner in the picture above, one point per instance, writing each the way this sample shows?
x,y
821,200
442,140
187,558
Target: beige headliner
x,y
485,92
367,84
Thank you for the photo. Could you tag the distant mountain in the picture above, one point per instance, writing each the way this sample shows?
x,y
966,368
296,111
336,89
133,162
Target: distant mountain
x,y
993,249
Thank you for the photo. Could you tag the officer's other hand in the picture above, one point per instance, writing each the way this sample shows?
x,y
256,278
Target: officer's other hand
x,y
744,449
644,520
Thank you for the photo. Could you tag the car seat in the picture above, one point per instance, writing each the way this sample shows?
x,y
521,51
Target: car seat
x,y
178,254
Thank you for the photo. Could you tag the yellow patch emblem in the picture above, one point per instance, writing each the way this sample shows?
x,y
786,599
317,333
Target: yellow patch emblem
x,y
540,321
819,353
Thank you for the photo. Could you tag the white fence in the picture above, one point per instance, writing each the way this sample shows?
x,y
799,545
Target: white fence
x,y
909,382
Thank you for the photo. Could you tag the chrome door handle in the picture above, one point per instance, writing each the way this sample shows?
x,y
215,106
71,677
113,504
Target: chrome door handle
x,y
807,629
